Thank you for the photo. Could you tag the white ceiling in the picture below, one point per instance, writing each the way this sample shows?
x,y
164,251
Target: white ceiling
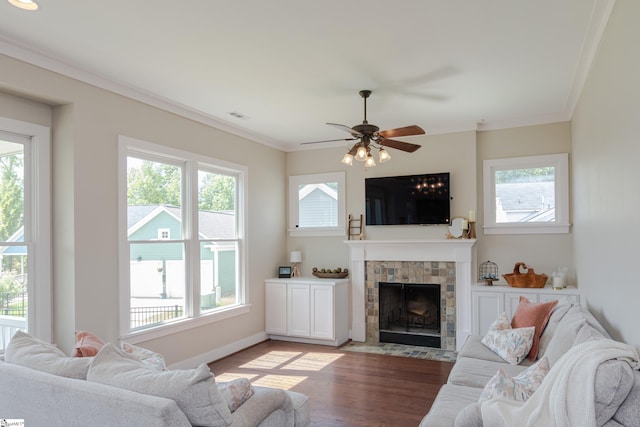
x,y
290,66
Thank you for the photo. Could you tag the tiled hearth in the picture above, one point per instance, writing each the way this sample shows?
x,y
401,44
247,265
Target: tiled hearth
x,y
442,273
456,255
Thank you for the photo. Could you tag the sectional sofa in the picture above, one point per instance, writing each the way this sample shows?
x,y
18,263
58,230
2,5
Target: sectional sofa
x,y
42,386
589,379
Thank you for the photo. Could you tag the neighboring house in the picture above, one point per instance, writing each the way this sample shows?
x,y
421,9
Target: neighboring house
x,y
15,251
525,202
160,222
318,206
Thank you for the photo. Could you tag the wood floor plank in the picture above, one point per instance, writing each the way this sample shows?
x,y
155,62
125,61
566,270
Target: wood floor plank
x,y
345,388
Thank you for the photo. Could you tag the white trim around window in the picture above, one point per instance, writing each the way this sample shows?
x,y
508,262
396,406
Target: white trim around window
x,y
295,181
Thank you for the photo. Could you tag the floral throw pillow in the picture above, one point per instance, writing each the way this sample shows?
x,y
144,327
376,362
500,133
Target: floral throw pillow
x,y
501,323
235,392
518,388
512,345
146,356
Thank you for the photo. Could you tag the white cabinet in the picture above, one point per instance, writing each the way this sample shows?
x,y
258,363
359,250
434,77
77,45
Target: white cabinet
x,y
488,302
309,310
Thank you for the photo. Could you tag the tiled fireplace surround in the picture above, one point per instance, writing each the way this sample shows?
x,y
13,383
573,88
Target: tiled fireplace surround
x,y
449,263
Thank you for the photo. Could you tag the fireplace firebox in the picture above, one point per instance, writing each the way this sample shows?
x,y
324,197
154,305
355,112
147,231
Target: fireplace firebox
x,y
410,313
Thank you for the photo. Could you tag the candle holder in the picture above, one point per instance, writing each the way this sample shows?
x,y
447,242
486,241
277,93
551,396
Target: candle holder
x,y
472,229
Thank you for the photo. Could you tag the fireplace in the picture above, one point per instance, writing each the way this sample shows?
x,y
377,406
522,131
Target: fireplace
x,y
447,262
409,313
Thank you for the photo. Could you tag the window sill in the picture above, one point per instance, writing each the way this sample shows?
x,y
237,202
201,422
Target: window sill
x,y
530,228
317,232
181,325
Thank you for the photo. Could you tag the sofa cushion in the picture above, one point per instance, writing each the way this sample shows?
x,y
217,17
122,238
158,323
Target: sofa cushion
x,y
87,344
194,390
613,382
146,356
628,414
572,329
30,352
537,315
557,314
476,373
517,388
512,345
236,392
449,402
474,348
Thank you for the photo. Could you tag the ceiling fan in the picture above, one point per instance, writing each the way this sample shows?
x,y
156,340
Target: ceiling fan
x,y
371,136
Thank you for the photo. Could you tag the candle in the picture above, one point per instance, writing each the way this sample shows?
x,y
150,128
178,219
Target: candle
x,y
465,224
472,216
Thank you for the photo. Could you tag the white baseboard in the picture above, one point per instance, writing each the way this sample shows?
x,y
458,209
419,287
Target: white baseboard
x,y
220,352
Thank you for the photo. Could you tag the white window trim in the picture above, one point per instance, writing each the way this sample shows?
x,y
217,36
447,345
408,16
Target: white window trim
x,y
38,214
127,145
294,206
561,225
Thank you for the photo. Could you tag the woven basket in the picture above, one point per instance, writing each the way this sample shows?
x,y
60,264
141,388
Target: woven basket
x,y
528,280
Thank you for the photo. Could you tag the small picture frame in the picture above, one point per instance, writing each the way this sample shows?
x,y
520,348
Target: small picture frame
x,y
284,272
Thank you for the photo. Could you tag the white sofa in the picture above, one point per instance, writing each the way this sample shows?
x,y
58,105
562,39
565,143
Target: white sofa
x,y
616,385
46,399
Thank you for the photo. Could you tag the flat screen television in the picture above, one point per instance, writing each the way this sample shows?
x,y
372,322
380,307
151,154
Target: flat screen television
x,y
409,199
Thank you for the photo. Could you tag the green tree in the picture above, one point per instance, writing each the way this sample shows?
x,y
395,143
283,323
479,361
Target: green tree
x,y
153,183
11,195
217,193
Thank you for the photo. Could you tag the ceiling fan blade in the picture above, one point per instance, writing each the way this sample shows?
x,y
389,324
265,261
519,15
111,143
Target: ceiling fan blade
x,y
405,131
328,140
399,145
346,129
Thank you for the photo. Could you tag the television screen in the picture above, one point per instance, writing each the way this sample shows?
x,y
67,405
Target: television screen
x,y
410,199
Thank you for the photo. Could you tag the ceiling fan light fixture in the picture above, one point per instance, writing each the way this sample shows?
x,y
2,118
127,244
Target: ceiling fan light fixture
x,y
370,162
24,4
383,155
347,159
362,153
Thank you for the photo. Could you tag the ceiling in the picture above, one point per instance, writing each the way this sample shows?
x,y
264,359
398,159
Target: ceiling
x,y
287,67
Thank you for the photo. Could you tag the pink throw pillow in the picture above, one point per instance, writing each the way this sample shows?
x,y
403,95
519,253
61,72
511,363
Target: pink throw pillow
x,y
87,344
528,314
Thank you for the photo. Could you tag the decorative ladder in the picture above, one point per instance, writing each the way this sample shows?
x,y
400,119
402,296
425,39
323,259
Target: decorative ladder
x,y
355,228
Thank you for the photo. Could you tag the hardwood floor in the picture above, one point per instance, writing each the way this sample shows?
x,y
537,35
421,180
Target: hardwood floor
x,y
345,388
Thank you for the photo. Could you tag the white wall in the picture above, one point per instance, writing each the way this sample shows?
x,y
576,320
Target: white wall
x,y
86,122
606,151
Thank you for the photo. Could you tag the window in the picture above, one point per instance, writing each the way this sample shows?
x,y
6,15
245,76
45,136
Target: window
x,y
182,238
317,205
526,195
25,233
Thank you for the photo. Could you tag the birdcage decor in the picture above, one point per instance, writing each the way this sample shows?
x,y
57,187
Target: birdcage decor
x,y
488,271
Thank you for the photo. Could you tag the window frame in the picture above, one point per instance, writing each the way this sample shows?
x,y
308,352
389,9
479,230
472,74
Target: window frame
x,y
561,224
294,205
190,163
37,222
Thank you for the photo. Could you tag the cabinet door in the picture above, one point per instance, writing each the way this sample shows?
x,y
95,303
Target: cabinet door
x,y
275,295
322,312
487,306
512,299
558,295
299,321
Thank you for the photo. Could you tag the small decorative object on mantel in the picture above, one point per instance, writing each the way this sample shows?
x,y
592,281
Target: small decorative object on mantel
x,y
327,273
488,272
528,280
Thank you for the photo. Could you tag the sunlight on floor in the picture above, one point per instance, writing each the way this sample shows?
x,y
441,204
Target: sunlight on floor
x,y
230,376
284,382
271,360
313,361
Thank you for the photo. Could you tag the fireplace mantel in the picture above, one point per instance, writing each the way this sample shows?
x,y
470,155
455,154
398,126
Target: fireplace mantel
x,y
460,251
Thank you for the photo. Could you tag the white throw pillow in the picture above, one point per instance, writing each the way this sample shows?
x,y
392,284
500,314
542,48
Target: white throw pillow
x,y
512,345
194,390
518,388
30,352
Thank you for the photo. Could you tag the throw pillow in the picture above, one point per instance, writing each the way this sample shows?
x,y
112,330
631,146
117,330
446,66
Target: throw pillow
x,y
30,352
518,388
148,357
236,392
501,323
512,345
194,390
537,315
87,344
